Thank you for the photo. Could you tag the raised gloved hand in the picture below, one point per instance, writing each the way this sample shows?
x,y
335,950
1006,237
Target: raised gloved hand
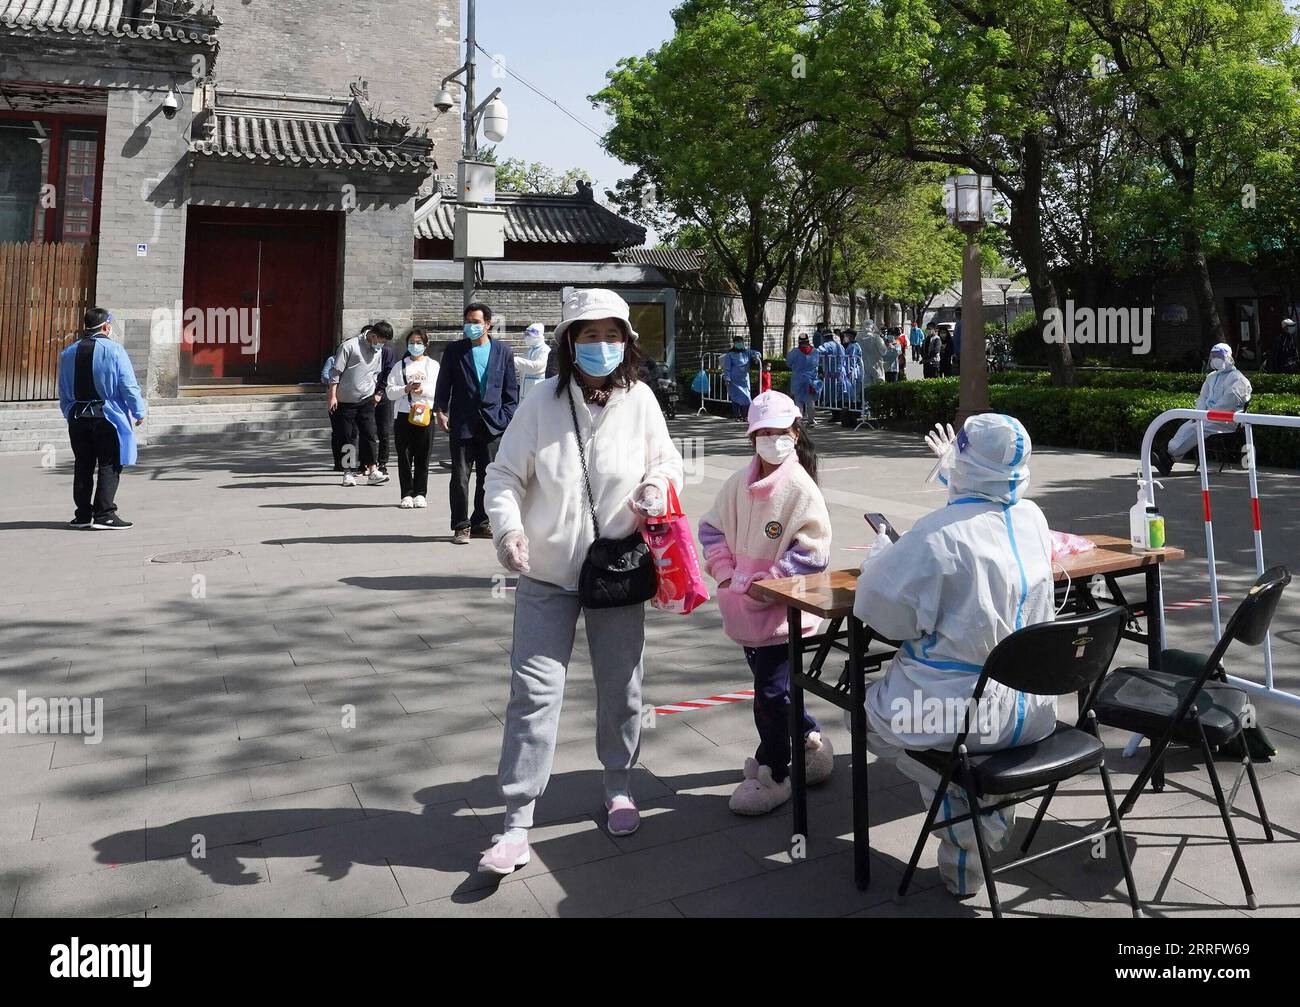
x,y
940,439
512,552
648,501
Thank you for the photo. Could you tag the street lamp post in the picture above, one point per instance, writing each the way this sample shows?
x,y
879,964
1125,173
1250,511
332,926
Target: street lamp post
x,y
1005,286
968,200
491,111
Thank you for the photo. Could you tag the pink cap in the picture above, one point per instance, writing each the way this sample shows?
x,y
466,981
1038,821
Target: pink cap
x,y
772,410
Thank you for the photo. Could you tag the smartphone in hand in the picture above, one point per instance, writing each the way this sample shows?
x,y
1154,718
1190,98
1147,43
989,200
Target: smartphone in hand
x,y
881,526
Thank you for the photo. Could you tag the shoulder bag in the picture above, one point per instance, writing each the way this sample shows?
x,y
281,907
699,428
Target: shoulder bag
x,y
617,571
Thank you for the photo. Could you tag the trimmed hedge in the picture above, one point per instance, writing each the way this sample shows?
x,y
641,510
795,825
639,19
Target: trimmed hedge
x,y
1156,381
1094,418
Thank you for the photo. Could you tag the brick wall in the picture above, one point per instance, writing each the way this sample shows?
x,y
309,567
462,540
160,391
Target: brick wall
x,y
376,266
402,47
145,189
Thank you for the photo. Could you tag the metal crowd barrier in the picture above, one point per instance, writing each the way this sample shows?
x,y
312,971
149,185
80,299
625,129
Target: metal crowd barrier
x,y
842,390
711,364
1247,421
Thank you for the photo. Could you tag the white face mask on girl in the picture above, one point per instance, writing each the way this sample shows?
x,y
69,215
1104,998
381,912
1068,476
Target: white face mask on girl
x,y
774,450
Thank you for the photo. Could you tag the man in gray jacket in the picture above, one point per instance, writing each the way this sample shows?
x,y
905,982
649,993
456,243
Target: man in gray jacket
x,y
353,395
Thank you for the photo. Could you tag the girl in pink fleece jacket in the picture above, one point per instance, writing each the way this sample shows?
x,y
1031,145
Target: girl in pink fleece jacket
x,y
769,521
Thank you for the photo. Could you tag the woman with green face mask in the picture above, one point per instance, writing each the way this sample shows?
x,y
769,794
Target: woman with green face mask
x,y
411,383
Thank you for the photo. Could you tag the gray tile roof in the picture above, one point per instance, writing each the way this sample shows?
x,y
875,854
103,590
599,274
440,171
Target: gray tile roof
x,y
327,134
172,20
677,260
534,218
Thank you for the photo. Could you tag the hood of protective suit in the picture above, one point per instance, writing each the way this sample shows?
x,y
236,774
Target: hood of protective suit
x,y
991,460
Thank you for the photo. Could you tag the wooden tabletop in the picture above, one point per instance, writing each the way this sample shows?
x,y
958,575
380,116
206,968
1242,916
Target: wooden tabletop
x,y
830,595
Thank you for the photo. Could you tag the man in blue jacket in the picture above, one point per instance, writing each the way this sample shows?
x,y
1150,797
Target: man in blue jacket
x,y
475,397
101,401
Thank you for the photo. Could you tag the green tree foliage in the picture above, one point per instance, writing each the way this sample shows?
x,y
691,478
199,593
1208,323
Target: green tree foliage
x,y
517,175
1210,91
713,124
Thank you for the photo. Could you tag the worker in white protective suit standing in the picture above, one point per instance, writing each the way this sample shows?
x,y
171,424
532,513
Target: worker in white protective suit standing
x,y
873,355
531,364
961,580
1225,389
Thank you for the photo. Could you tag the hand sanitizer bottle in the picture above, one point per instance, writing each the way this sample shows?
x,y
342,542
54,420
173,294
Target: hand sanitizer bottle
x,y
1138,528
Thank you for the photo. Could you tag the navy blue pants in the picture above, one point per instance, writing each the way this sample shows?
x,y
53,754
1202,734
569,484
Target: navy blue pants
x,y
771,668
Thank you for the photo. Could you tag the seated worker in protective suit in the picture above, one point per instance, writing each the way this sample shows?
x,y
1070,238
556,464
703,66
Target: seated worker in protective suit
x,y
1225,388
963,578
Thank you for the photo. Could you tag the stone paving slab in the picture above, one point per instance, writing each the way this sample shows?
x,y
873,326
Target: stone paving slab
x,y
224,685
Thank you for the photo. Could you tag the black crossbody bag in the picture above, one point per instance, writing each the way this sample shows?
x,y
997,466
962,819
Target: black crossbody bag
x,y
617,571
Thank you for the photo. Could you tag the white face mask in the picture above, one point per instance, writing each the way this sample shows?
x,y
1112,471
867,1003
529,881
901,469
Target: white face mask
x,y
774,450
1218,363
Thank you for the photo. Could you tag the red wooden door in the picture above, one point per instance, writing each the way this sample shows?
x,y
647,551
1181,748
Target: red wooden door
x,y
224,277
292,303
262,286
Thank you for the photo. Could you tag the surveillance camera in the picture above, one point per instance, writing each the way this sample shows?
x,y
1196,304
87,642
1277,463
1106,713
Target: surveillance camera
x,y
444,102
171,105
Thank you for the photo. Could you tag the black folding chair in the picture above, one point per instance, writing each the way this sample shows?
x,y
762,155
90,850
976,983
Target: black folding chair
x,y
1049,659
1195,711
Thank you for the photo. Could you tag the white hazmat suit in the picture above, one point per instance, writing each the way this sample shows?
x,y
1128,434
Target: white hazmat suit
x,y
873,355
531,364
961,580
1225,388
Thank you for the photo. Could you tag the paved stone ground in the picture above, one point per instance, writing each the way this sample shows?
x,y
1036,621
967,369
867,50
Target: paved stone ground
x,y
224,700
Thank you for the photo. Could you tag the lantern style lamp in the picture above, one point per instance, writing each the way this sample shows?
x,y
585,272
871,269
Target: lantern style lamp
x,y
968,203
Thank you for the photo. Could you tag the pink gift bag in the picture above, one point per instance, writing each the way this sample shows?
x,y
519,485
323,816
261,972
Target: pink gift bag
x,y
681,584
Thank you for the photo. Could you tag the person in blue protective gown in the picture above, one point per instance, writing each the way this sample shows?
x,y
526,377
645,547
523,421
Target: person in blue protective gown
x,y
832,369
853,367
101,400
736,364
963,578
804,380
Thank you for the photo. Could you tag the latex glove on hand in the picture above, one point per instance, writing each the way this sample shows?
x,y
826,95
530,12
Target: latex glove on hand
x,y
940,439
648,501
512,552
943,442
881,543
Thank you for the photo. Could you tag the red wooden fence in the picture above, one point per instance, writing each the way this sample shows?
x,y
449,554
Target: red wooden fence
x,y
45,289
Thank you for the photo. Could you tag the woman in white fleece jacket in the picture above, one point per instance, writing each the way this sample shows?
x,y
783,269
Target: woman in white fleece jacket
x,y
769,521
411,381
541,522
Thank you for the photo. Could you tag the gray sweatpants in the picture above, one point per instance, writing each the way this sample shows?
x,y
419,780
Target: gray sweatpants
x,y
546,619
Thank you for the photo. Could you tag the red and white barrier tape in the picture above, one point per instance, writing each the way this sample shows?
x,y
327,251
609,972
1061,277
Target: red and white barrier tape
x,y
739,696
1180,606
